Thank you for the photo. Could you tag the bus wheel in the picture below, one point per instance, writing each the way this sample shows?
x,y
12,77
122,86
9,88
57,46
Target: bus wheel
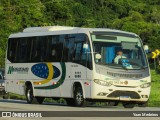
x,y
128,104
79,98
70,102
40,99
29,94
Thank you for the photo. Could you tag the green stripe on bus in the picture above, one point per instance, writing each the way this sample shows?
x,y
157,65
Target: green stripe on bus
x,y
59,82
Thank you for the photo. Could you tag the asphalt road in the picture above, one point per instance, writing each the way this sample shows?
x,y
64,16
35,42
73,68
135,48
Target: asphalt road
x,y
17,105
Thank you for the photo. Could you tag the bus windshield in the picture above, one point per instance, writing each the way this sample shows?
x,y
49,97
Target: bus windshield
x,y
119,51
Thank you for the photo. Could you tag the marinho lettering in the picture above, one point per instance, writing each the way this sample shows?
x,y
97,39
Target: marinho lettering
x,y
17,69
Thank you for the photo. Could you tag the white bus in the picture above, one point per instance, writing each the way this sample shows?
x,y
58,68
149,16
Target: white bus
x,y
79,65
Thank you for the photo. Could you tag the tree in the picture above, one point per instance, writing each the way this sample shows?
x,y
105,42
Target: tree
x,y
138,16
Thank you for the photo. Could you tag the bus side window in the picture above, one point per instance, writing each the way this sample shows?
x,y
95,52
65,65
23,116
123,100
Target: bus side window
x,y
24,48
78,51
1,77
39,49
36,50
88,55
82,52
68,48
12,49
54,49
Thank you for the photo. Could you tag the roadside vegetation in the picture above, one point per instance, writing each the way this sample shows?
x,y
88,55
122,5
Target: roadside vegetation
x,y
139,16
155,90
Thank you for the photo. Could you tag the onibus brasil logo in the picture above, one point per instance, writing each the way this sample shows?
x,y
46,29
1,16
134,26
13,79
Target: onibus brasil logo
x,y
17,69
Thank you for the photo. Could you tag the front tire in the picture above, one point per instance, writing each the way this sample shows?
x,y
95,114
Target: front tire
x,y
128,104
79,98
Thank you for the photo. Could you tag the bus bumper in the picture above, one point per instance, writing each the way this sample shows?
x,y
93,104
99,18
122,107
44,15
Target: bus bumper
x,y
114,93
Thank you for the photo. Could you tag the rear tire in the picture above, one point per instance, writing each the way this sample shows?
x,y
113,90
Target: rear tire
x,y
79,98
30,97
128,104
29,94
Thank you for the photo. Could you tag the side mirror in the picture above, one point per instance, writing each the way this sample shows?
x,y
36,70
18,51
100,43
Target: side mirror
x,y
146,49
98,56
85,46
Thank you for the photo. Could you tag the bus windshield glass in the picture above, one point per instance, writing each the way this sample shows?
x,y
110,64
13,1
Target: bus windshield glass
x,y
119,51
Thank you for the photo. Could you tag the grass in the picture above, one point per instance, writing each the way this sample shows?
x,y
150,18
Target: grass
x,y
154,100
16,96
21,97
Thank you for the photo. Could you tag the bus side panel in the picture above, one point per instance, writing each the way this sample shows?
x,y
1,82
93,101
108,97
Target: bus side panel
x,y
40,92
49,88
75,73
88,83
65,88
21,87
14,86
9,86
46,91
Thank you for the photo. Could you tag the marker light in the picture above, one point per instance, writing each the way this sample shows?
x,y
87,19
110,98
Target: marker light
x,y
53,83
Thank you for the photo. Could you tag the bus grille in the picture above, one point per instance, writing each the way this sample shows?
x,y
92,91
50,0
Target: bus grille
x,y
131,94
124,75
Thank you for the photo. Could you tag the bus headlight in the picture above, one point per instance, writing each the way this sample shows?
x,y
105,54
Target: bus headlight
x,y
145,85
101,82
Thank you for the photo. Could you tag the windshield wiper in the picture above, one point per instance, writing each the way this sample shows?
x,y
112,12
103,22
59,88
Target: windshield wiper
x,y
125,68
133,63
121,66
113,66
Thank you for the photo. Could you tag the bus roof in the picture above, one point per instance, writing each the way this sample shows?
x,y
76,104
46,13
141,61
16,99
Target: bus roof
x,y
49,30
